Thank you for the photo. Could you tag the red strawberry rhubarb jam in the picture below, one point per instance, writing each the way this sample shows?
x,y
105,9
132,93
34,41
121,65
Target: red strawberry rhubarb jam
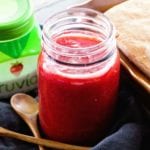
x,y
77,87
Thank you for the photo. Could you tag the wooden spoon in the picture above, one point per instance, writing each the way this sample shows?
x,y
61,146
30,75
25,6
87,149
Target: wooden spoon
x,y
47,143
27,108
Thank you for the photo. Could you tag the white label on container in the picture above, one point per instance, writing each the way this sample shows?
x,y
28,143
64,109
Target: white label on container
x,y
18,75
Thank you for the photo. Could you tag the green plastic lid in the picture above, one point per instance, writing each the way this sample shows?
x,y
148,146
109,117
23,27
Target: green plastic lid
x,y
16,22
15,18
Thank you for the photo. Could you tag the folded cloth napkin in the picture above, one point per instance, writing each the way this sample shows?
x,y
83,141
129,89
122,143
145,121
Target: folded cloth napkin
x,y
10,120
128,137
130,129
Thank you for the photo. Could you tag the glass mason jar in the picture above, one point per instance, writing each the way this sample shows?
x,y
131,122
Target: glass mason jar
x,y
78,76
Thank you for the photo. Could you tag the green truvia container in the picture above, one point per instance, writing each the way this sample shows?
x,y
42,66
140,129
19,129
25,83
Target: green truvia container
x,y
20,42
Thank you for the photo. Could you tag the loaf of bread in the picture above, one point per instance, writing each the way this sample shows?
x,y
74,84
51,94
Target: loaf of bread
x,y
132,21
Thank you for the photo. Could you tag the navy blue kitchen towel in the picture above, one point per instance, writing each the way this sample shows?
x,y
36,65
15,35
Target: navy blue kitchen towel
x,y
128,137
129,131
10,120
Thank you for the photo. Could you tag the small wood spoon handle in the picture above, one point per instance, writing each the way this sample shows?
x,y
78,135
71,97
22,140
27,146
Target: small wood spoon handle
x,y
47,143
34,128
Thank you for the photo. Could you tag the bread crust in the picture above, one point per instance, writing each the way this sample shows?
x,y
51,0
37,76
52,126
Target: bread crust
x,y
132,22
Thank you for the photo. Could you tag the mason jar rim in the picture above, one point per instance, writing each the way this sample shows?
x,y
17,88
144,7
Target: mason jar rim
x,y
51,21
54,23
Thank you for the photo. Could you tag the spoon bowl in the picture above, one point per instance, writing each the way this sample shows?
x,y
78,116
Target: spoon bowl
x,y
27,108
24,104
